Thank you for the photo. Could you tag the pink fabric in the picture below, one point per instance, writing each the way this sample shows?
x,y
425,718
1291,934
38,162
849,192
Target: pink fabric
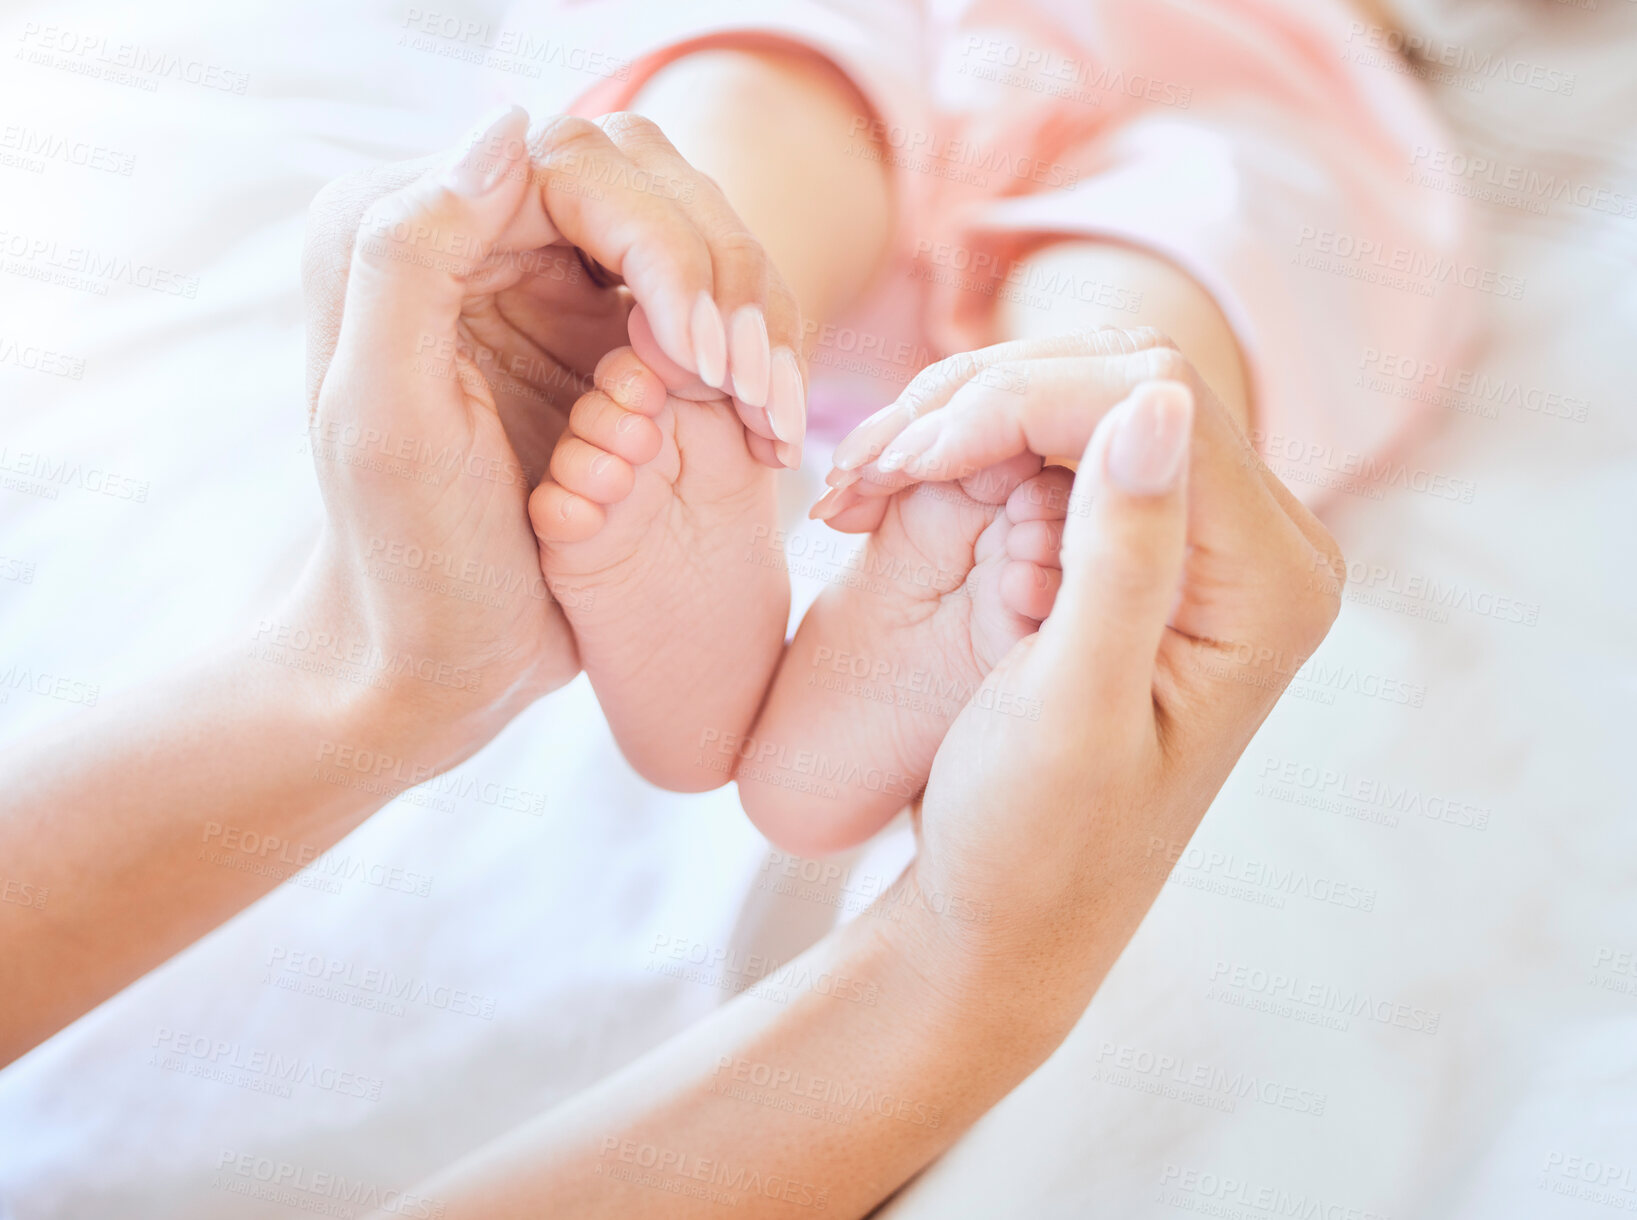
x,y
1234,137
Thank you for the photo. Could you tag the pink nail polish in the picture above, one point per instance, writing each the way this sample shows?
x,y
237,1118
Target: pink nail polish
x,y
489,152
750,355
786,398
1150,442
826,506
710,341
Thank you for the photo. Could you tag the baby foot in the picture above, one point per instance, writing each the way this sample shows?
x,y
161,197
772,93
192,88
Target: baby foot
x,y
651,523
952,578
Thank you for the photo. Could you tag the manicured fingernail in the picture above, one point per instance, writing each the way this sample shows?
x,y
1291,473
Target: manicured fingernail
x,y
857,446
488,154
1150,441
789,454
842,478
786,399
827,505
710,341
751,355
904,450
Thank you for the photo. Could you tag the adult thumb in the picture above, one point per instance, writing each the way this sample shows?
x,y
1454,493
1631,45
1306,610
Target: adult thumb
x,y
1123,548
417,247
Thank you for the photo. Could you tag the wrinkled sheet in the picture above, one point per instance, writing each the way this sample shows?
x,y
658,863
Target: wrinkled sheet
x,y
1392,974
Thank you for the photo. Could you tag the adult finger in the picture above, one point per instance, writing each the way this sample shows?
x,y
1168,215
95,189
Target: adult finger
x,y
414,251
594,196
763,323
1122,557
999,367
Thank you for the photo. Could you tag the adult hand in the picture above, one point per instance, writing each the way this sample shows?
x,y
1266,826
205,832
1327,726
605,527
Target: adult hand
x,y
631,222
1193,586
435,407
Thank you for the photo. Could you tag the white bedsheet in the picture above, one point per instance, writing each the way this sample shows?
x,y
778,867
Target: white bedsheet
x,y
556,927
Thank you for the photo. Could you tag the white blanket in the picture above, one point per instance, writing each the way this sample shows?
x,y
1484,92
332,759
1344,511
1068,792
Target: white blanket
x,y
1393,974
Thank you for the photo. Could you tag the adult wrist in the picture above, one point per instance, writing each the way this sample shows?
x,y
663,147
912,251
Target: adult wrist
x,y
382,708
982,970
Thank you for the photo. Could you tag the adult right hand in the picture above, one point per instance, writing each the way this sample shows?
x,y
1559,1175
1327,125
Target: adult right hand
x,y
1174,630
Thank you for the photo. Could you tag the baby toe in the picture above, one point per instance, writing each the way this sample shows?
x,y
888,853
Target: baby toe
x,y
1042,498
559,516
1037,542
1029,589
606,425
590,472
629,381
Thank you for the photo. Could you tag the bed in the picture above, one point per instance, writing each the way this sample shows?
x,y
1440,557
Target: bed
x,y
1393,975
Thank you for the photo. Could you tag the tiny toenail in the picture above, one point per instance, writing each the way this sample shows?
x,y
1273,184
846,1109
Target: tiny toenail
x,y
600,464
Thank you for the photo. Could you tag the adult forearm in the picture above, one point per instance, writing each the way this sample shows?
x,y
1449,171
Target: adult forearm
x,y
145,823
824,1088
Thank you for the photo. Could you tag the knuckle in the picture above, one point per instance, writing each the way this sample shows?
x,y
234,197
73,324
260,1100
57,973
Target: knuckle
x,y
332,224
565,136
629,130
1151,337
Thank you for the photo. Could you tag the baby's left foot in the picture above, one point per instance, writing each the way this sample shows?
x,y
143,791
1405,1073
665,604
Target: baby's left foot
x,y
951,579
